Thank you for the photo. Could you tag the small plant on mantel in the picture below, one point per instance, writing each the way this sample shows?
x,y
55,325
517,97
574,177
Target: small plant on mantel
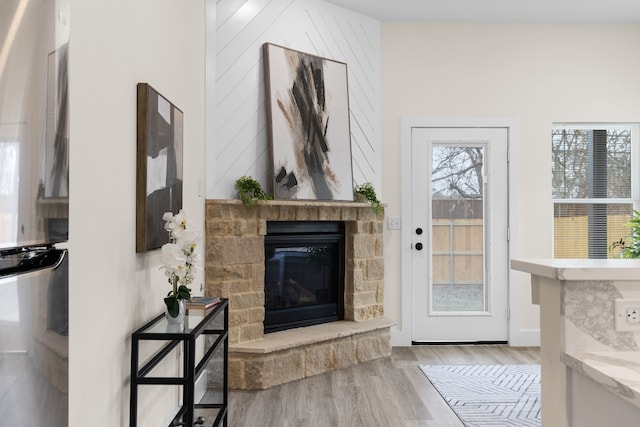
x,y
367,192
249,190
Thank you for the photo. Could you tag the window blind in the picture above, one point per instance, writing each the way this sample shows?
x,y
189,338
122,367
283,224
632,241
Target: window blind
x,y
592,189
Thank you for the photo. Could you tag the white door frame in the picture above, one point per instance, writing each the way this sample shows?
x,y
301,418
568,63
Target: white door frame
x,y
402,335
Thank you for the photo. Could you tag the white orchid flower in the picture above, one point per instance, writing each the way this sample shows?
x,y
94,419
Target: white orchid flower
x,y
179,256
174,259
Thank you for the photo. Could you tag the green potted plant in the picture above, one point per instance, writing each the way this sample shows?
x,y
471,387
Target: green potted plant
x,y
178,263
249,190
632,249
367,192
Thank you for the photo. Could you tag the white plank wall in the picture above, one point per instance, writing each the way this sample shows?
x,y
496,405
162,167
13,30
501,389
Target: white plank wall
x,y
237,144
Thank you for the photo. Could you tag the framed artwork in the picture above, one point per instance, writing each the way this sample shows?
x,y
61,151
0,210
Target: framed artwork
x,y
159,166
308,124
56,178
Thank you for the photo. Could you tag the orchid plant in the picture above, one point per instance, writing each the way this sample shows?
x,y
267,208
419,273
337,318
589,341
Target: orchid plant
x,y
178,259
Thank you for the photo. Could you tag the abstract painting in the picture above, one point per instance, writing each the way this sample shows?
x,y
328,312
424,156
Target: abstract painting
x,y
159,166
56,179
308,123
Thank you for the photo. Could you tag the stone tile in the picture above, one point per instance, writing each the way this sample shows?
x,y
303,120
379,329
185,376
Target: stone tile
x,y
362,285
236,374
378,310
363,246
262,227
256,315
378,245
319,359
248,249
245,227
241,211
373,345
362,227
306,213
220,227
349,214
329,214
363,313
345,353
216,210
287,213
219,288
266,210
251,332
214,272
366,214
216,246
274,370
246,300
375,269
234,335
245,317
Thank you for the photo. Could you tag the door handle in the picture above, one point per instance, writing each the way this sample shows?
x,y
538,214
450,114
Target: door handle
x,y
419,246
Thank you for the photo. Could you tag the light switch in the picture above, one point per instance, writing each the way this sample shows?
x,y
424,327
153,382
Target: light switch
x,y
394,223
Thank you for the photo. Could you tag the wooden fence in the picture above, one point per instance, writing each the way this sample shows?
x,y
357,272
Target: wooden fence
x,y
458,252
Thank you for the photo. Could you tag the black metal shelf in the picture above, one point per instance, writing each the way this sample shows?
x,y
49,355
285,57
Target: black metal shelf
x,y
190,413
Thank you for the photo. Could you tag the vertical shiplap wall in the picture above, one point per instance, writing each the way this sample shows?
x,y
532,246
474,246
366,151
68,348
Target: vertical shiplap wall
x,y
237,144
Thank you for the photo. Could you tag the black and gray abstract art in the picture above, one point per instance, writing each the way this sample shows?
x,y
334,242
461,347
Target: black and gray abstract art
x,y
309,126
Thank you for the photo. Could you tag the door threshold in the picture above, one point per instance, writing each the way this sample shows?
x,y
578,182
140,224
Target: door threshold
x,y
459,342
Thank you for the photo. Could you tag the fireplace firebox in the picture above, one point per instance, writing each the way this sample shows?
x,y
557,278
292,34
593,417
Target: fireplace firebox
x,y
304,274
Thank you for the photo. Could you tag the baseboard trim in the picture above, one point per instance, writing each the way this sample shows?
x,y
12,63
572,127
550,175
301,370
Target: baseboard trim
x,y
526,338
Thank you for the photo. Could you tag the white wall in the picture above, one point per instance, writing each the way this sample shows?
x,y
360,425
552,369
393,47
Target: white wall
x,y
114,45
536,74
238,143
432,70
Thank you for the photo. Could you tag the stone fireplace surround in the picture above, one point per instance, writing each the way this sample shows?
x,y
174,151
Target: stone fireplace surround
x,y
235,270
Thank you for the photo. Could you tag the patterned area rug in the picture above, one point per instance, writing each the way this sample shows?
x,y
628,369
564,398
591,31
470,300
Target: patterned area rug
x,y
490,395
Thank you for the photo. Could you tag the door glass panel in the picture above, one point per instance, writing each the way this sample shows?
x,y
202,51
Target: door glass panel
x,y
458,229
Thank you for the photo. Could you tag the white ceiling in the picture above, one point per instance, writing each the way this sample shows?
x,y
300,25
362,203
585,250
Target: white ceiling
x,y
591,11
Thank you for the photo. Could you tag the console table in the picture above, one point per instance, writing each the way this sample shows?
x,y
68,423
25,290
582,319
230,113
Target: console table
x,y
214,325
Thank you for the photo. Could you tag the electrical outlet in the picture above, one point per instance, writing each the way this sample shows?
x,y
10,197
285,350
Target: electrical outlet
x,y
627,314
633,315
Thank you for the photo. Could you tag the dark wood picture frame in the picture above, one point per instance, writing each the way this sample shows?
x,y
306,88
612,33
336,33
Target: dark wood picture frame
x,y
56,178
308,122
159,166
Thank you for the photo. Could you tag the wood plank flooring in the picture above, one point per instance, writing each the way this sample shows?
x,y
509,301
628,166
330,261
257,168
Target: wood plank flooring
x,y
387,392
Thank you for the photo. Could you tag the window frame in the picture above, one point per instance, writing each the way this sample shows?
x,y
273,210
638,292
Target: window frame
x,y
634,200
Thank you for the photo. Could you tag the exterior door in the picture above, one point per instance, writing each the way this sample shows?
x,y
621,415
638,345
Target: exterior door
x,y
459,234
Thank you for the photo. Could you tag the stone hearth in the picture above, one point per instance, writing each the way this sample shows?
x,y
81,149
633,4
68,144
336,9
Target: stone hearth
x,y
235,270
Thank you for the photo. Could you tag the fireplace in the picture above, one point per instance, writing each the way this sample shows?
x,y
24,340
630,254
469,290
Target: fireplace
x,y
235,269
304,274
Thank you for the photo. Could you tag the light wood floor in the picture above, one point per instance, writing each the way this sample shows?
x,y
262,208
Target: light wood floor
x,y
389,392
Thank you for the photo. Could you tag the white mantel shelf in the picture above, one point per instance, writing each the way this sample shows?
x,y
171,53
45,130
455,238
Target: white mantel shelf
x,y
580,269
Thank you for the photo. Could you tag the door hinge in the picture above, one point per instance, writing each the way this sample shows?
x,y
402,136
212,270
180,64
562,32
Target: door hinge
x,y
508,234
508,156
508,314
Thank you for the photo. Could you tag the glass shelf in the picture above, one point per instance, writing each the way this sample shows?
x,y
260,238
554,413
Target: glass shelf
x,y
213,323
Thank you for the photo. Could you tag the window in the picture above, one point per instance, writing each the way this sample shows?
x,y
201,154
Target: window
x,y
594,188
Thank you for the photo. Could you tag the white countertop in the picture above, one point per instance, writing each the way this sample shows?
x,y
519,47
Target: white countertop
x,y
617,371
580,269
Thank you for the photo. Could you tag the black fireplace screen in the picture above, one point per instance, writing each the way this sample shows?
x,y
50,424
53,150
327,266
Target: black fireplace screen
x,y
304,274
